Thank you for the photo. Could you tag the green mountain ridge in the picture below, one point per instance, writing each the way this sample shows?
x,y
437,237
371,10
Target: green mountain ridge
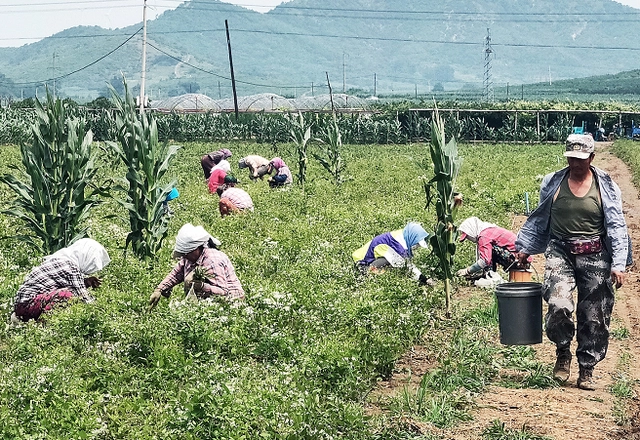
x,y
380,46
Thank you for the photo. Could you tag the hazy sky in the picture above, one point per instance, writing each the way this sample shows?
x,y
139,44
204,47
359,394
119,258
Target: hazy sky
x,y
27,21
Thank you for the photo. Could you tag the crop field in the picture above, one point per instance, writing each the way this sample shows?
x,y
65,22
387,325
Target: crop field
x,y
298,358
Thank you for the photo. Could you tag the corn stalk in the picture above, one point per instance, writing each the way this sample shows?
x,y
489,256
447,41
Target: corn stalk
x,y
56,190
440,191
147,161
331,142
300,135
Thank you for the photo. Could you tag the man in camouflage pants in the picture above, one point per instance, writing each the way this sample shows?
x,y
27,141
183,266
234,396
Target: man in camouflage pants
x,y
580,227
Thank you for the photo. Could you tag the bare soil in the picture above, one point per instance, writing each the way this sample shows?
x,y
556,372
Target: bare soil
x,y
566,412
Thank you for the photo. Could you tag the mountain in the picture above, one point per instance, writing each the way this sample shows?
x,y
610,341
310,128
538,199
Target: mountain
x,y
384,46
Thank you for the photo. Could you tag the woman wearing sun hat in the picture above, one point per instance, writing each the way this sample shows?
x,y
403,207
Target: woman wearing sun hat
x,y
198,253
393,249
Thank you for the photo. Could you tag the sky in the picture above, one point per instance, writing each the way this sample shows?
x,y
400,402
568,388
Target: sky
x,y
27,21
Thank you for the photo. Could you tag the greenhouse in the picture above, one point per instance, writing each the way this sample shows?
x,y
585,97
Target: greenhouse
x,y
263,102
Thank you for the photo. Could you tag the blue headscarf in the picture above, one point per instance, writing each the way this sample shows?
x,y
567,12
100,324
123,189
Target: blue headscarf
x,y
413,233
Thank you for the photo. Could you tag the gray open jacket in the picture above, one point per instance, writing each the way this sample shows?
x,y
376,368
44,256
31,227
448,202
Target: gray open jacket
x,y
536,232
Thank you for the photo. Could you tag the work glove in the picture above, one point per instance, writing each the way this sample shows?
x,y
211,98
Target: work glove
x,y
422,280
154,299
463,272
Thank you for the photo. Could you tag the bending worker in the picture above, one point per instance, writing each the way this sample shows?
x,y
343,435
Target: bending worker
x,y
61,277
393,249
580,227
494,245
258,166
202,267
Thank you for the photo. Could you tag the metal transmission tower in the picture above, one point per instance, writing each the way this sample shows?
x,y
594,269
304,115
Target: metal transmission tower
x,y
487,82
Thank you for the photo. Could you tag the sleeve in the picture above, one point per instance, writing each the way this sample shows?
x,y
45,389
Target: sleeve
x,y
394,259
175,277
485,249
76,285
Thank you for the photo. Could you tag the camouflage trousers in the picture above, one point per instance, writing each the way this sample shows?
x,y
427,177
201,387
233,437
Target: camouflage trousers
x,y
590,275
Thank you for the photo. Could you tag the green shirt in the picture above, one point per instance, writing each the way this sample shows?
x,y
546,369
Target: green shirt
x,y
573,216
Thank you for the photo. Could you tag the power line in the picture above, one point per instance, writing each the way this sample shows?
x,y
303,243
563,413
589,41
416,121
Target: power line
x,y
224,77
81,68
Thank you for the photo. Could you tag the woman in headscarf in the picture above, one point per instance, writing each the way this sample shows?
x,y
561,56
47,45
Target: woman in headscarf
x,y
218,173
232,198
63,275
494,245
202,268
283,173
210,160
393,249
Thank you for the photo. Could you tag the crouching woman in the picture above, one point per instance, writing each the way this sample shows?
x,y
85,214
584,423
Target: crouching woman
x,y
205,271
62,276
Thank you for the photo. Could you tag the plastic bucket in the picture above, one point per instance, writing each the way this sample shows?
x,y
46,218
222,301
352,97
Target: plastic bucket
x,y
520,313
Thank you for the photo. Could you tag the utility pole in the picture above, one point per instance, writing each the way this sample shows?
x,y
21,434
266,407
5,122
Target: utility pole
x,y
54,75
233,78
507,91
312,88
219,91
144,55
375,84
487,82
344,76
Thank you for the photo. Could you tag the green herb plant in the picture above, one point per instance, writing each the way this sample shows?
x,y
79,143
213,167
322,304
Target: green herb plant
x,y
147,161
57,188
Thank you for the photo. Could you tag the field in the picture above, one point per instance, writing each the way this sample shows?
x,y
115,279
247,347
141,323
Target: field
x,y
299,358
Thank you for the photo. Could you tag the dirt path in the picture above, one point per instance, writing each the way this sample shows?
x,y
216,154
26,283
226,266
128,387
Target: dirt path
x,y
563,413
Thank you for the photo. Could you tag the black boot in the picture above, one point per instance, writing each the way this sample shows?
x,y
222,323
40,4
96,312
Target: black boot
x,y
585,379
562,369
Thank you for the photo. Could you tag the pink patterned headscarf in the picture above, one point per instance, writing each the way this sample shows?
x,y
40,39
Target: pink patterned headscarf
x,y
277,163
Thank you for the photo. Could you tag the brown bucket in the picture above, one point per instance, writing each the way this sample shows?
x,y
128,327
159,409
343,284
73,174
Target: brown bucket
x,y
520,275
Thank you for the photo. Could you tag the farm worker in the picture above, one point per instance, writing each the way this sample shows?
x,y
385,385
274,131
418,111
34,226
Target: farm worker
x,y
233,199
494,246
258,166
218,174
283,173
210,160
393,249
580,227
62,276
201,266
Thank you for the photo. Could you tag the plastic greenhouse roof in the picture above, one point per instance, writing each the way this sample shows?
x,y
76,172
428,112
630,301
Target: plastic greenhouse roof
x,y
268,102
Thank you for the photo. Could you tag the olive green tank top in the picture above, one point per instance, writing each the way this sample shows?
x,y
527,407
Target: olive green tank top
x,y
573,217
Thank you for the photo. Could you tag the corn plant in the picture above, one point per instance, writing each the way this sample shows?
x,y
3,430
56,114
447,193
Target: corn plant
x,y
446,165
300,135
56,190
147,161
331,142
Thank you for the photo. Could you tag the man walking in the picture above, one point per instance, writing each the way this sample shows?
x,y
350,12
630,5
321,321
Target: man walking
x,y
580,227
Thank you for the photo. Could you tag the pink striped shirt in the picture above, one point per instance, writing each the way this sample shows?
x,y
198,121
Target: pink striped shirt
x,y
221,276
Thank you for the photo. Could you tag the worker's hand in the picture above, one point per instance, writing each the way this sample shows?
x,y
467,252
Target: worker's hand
x,y
198,286
92,282
618,278
523,259
463,272
154,299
